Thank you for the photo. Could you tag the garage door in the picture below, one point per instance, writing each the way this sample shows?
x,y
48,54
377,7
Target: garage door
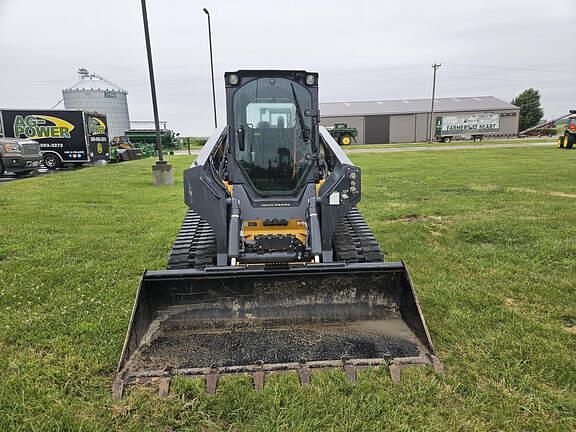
x,y
377,129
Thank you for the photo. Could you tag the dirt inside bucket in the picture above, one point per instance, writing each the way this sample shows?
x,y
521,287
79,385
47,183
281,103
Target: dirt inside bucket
x,y
279,344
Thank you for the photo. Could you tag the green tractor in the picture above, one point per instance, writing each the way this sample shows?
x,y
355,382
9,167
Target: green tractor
x,y
343,134
568,138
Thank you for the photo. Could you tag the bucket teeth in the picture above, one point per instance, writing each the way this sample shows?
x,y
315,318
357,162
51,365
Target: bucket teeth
x,y
164,387
118,388
394,369
259,371
350,373
258,378
304,375
437,364
212,382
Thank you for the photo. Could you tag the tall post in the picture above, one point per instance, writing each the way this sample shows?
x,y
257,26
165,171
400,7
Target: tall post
x,y
162,171
435,66
211,67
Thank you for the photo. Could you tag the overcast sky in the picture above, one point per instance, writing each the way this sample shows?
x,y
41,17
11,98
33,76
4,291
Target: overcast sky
x,y
363,50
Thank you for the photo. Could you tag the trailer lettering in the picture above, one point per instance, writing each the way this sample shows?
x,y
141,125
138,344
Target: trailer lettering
x,y
41,126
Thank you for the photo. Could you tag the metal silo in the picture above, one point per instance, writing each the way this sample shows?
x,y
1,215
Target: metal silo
x,y
94,93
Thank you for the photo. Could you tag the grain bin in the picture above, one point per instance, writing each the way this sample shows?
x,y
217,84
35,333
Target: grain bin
x,y
96,94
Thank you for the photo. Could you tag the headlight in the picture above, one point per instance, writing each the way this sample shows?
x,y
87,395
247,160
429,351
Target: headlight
x,y
12,148
310,79
232,79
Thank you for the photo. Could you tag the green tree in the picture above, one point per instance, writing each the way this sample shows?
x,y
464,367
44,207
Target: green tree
x,y
531,111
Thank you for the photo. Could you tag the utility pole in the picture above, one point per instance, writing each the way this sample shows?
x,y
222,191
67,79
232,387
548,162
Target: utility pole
x,y
161,171
211,67
435,66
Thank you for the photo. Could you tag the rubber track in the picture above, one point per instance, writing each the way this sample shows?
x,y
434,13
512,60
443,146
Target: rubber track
x,y
353,240
195,245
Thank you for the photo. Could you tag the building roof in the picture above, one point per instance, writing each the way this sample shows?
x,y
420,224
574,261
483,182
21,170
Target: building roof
x,y
410,106
92,81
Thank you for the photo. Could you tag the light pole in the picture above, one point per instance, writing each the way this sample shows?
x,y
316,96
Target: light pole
x,y
161,171
433,125
211,67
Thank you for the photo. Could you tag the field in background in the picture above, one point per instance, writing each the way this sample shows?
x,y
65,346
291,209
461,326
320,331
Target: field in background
x,y
489,238
198,143
194,142
455,143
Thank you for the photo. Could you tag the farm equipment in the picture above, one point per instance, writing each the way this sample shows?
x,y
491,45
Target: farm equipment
x,y
274,268
145,137
343,134
567,139
121,150
547,129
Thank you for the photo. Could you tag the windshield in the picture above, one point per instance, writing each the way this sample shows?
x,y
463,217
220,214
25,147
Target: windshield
x,y
270,112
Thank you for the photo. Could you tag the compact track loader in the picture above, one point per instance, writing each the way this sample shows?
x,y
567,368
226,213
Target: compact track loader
x,y
274,269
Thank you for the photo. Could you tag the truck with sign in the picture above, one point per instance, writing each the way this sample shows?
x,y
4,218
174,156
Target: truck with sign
x,y
466,126
65,136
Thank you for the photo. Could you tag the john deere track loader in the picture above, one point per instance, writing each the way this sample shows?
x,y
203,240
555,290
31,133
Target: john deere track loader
x,y
274,269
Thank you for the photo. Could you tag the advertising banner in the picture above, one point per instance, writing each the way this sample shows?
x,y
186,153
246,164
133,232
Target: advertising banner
x,y
59,131
467,124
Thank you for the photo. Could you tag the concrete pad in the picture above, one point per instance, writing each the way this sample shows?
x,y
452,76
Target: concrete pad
x,y
162,174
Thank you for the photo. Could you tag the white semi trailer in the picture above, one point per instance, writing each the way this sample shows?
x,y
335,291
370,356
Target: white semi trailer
x,y
467,126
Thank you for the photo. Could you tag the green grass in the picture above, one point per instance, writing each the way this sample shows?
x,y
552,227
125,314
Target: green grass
x,y
489,238
453,143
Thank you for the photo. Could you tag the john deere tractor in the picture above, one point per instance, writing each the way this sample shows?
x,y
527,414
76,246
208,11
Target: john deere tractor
x,y
568,138
343,134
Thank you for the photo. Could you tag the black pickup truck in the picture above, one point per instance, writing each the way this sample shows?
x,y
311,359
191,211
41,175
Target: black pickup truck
x,y
20,156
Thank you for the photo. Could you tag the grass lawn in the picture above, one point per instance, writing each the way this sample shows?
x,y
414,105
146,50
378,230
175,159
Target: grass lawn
x,y
453,143
488,235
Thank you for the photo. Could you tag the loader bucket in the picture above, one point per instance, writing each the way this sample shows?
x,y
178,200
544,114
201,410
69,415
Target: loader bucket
x,y
259,321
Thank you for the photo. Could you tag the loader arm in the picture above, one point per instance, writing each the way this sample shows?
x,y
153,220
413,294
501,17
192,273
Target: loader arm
x,y
344,180
205,191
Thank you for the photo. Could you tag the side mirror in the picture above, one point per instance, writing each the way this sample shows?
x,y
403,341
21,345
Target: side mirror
x,y
241,134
